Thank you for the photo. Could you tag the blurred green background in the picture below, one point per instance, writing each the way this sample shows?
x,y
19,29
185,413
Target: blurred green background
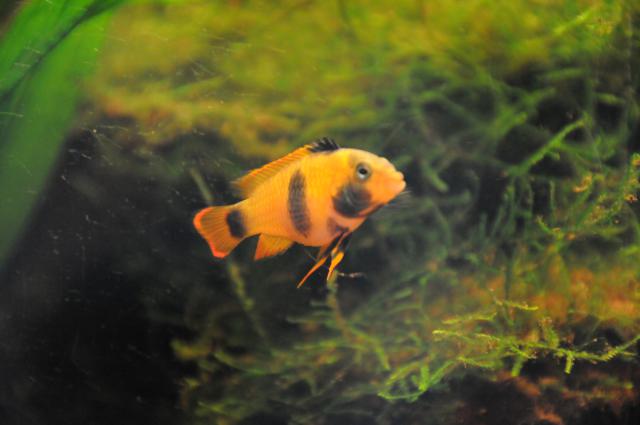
x,y
505,289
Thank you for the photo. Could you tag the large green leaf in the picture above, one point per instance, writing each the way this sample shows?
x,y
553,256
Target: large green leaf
x,y
44,54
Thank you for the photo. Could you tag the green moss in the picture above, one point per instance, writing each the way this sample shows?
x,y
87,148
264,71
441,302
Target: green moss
x,y
514,124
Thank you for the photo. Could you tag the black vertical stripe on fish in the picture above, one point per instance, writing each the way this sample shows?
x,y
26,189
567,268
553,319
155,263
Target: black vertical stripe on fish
x,y
235,221
297,204
351,200
324,144
334,228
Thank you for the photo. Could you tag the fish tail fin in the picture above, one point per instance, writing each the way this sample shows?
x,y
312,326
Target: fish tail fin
x,y
222,227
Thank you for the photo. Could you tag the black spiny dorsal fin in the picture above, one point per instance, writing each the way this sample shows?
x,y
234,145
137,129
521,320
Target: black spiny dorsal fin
x,y
323,144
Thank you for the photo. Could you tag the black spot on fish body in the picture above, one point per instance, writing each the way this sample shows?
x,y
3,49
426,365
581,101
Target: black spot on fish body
x,y
334,228
324,144
297,204
351,200
235,221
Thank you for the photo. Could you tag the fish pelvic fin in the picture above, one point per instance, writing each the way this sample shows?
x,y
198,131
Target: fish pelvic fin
x,y
269,246
335,249
315,267
222,227
337,253
335,260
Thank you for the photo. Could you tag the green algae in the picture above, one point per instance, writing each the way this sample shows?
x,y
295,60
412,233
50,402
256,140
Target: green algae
x,y
516,126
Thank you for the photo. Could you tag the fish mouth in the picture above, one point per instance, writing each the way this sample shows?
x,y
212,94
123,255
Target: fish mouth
x,y
398,182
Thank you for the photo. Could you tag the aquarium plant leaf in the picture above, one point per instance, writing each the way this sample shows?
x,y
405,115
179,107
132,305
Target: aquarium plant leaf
x,y
43,56
37,30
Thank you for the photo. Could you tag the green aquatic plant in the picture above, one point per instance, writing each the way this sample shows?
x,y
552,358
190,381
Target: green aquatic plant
x,y
44,53
518,140
398,346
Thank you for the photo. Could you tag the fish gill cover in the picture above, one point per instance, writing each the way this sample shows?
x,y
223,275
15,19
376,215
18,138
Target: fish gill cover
x,y
507,290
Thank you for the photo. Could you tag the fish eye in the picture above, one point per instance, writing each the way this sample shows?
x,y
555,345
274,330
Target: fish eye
x,y
363,171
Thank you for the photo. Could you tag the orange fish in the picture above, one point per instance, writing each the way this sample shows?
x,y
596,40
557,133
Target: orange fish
x,y
316,196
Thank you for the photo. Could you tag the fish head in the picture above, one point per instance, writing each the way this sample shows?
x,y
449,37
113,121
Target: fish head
x,y
371,182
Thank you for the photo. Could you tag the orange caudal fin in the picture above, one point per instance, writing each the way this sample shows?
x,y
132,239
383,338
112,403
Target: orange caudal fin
x,y
222,227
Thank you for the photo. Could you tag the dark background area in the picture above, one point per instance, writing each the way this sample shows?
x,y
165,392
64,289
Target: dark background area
x,y
78,342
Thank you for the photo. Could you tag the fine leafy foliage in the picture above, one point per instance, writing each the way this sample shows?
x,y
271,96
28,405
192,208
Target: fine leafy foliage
x,y
516,127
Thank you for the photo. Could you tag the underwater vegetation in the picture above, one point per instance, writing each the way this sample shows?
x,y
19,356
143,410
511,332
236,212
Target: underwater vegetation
x,y
516,126
47,48
506,289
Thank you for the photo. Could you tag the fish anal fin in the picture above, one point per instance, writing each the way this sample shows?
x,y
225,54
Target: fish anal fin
x,y
269,246
254,178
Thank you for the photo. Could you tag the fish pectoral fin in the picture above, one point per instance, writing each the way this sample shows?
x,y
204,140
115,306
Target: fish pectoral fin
x,y
269,246
315,267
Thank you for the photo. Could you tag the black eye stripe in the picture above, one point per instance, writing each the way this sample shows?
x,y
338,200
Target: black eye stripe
x,y
351,200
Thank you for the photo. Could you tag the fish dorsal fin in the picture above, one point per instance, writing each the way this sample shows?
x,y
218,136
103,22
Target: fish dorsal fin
x,y
269,246
323,144
254,178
